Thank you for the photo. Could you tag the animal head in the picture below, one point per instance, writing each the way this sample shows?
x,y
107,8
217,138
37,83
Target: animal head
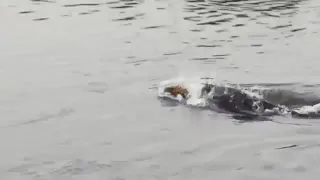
x,y
177,90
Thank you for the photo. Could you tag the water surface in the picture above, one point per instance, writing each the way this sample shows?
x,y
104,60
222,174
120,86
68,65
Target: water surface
x,y
79,88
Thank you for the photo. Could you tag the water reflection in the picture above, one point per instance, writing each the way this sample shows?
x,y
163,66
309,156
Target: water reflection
x,y
236,13
213,12
211,28
241,24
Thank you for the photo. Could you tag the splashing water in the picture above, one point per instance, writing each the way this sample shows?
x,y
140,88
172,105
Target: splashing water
x,y
194,88
259,93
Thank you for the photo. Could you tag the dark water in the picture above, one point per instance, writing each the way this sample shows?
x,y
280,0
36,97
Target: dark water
x,y
79,88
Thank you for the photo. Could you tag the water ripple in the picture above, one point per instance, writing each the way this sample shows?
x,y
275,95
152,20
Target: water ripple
x,y
86,4
41,19
26,12
231,17
60,169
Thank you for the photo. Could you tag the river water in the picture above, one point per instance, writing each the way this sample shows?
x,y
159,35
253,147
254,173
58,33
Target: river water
x,y
79,83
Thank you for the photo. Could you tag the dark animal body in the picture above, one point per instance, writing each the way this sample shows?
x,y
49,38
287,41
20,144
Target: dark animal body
x,y
237,101
234,100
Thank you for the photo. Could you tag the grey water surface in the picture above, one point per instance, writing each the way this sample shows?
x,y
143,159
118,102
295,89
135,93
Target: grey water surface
x,y
78,93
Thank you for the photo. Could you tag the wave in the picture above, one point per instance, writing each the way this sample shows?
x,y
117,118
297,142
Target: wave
x,y
281,101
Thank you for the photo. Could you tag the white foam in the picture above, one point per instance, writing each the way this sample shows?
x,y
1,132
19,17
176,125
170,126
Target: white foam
x,y
193,85
309,109
317,107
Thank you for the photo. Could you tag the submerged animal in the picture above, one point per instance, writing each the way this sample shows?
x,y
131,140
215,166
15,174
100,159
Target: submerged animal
x,y
235,100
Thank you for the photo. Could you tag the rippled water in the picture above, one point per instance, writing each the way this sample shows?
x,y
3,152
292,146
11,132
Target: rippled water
x,y
79,86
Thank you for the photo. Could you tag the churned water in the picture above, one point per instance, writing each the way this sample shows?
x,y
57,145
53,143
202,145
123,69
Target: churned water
x,y
79,86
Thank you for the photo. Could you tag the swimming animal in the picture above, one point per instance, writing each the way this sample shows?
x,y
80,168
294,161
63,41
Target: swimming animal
x,y
237,101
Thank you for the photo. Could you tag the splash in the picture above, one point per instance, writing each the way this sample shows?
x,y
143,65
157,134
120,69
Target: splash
x,y
277,96
305,110
193,85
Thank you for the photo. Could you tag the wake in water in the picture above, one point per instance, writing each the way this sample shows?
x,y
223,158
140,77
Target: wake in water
x,y
248,101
